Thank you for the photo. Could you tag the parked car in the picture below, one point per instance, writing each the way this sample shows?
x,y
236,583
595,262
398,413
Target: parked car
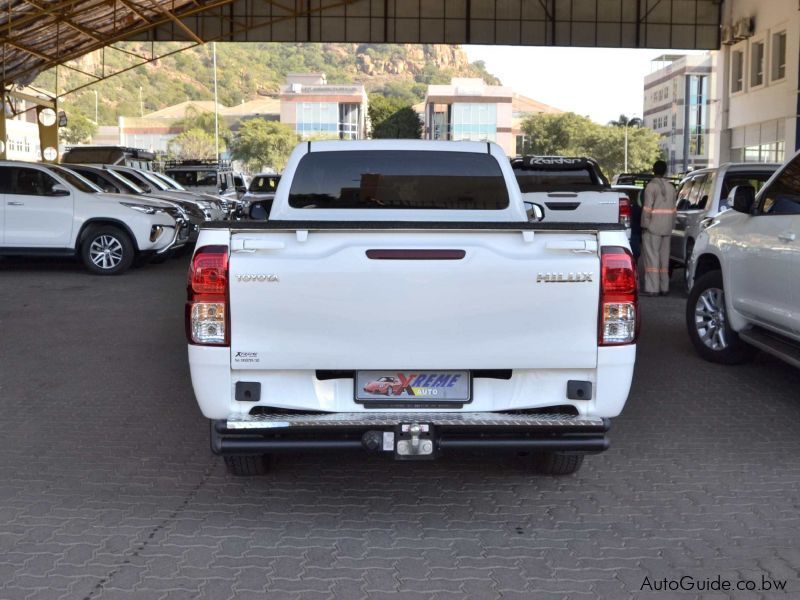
x,y
745,273
571,190
241,183
640,179
230,204
702,195
206,176
113,182
214,209
51,210
526,333
261,190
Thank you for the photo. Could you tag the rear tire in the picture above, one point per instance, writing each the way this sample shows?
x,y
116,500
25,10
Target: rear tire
x,y
248,465
556,463
708,325
689,250
106,250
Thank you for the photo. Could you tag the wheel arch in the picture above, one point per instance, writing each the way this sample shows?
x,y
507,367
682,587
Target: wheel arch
x,y
706,263
104,221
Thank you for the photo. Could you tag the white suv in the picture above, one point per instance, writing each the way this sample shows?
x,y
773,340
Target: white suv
x,y
745,274
50,210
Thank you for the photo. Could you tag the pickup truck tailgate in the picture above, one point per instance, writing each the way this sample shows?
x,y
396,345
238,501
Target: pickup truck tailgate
x,y
577,207
404,299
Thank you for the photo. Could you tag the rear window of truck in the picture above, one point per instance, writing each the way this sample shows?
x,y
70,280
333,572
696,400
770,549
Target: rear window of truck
x,y
399,179
554,173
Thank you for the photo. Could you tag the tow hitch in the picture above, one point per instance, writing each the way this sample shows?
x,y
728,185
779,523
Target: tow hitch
x,y
414,441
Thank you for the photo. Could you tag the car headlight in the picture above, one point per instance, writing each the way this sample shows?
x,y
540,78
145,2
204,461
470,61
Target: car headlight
x,y
144,208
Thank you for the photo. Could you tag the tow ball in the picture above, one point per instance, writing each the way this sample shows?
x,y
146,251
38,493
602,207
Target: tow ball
x,y
414,441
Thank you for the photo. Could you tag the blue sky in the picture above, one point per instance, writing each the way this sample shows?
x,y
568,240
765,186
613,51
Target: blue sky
x,y
599,82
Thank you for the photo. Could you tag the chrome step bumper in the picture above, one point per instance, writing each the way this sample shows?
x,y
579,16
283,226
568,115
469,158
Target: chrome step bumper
x,y
299,432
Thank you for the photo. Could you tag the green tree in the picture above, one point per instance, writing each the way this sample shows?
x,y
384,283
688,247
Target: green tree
x,y
568,134
194,144
204,120
260,143
382,107
403,124
79,129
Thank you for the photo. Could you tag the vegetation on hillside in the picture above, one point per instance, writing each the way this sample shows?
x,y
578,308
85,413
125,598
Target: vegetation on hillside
x,y
246,69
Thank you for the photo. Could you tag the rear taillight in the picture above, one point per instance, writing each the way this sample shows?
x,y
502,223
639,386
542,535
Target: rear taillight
x,y
207,320
619,310
625,211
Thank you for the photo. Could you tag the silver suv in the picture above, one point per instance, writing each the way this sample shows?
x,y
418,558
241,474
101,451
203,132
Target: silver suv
x,y
702,195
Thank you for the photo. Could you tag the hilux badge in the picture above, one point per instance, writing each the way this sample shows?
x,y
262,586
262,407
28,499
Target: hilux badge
x,y
563,277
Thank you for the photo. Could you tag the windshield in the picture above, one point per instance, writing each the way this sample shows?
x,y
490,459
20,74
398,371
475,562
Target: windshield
x,y
399,179
128,179
195,178
125,183
264,184
146,179
76,180
170,181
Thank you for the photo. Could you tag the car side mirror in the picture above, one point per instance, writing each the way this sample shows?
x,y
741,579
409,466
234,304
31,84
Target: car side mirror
x,y
742,198
535,212
58,190
258,212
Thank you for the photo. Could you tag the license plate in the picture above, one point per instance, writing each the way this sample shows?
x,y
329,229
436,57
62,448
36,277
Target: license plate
x,y
413,386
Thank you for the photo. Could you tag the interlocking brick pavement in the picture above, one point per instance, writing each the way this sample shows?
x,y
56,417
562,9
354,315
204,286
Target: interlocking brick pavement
x,y
109,490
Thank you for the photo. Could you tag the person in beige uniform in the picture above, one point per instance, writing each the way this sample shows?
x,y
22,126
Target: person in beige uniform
x,y
658,220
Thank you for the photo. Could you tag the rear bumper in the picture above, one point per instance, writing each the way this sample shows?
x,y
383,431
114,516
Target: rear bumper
x,y
304,432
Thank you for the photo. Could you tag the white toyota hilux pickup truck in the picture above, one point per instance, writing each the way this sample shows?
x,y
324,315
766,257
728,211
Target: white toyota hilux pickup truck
x,y
571,189
400,300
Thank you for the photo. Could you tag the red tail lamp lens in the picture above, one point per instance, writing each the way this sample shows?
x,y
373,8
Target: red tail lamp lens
x,y
209,272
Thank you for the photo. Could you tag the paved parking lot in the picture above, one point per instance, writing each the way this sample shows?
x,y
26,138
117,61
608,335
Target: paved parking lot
x,y
108,489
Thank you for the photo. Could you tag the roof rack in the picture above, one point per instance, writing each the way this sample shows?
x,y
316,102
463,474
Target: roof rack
x,y
140,153
218,164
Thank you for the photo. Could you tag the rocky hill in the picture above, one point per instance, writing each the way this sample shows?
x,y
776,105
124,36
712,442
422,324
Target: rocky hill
x,y
246,69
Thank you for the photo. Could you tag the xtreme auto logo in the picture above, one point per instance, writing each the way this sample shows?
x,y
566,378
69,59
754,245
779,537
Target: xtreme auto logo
x,y
427,384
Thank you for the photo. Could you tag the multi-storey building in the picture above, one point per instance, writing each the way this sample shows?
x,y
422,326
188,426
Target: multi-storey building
x,y
470,109
316,109
758,82
679,105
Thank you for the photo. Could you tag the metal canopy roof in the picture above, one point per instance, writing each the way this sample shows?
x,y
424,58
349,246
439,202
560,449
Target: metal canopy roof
x,y
39,34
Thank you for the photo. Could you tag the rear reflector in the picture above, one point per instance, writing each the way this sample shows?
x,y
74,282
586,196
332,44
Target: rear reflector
x,y
619,310
625,211
207,297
